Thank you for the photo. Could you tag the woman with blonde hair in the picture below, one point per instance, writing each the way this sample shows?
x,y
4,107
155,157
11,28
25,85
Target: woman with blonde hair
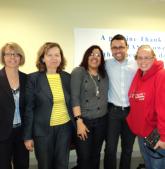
x,y
12,107
147,101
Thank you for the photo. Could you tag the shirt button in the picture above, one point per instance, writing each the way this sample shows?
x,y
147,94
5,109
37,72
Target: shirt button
x,y
86,100
98,108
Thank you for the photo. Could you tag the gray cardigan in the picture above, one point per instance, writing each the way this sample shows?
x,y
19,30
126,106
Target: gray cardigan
x,y
83,93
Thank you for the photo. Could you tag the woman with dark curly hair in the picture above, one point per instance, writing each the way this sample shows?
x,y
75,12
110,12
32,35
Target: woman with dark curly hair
x,y
89,90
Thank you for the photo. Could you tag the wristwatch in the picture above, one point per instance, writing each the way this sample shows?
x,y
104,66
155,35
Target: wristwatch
x,y
77,117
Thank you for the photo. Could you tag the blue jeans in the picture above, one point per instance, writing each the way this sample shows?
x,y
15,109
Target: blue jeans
x,y
117,126
88,151
52,150
148,155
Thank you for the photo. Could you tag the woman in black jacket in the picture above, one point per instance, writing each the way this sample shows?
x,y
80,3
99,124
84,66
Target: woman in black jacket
x,y
12,88
48,112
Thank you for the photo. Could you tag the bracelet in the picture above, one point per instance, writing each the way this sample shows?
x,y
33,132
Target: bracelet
x,y
77,117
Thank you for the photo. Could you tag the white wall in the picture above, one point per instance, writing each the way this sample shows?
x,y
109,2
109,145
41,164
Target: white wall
x,y
31,23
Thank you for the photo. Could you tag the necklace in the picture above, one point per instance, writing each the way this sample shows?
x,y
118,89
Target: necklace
x,y
96,86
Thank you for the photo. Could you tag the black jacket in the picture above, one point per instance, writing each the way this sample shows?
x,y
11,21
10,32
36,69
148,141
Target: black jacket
x,y
39,103
7,105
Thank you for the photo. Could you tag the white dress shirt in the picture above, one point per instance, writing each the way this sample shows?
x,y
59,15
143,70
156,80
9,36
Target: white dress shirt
x,y
120,77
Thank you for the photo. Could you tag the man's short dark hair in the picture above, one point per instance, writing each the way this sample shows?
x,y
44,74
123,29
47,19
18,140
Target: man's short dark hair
x,y
119,37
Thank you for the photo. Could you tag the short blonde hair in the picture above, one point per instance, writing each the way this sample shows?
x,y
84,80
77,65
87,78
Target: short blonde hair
x,y
14,46
145,47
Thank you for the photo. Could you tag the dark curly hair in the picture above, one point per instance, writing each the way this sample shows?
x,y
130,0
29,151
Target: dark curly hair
x,y
88,52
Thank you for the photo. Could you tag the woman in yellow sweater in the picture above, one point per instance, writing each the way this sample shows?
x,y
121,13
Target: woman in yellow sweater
x,y
48,113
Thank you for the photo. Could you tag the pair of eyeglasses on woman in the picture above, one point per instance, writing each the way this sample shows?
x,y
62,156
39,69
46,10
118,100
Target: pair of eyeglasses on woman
x,y
144,59
12,54
95,54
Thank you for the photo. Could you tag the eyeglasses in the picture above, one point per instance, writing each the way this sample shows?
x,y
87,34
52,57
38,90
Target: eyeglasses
x,y
146,59
95,54
12,54
118,48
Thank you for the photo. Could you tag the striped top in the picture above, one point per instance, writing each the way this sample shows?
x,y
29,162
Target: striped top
x,y
59,113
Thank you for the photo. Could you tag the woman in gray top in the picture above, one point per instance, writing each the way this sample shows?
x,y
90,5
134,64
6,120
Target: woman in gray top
x,y
89,90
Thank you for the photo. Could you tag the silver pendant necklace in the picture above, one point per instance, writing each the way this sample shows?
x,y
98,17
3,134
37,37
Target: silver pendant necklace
x,y
96,86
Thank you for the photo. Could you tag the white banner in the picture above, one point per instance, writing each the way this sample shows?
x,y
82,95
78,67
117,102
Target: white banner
x,y
84,38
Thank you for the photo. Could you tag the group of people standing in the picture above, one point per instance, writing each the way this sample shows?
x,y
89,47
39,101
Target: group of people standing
x,y
101,100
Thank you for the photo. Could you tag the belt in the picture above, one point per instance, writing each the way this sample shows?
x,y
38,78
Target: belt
x,y
119,107
16,125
